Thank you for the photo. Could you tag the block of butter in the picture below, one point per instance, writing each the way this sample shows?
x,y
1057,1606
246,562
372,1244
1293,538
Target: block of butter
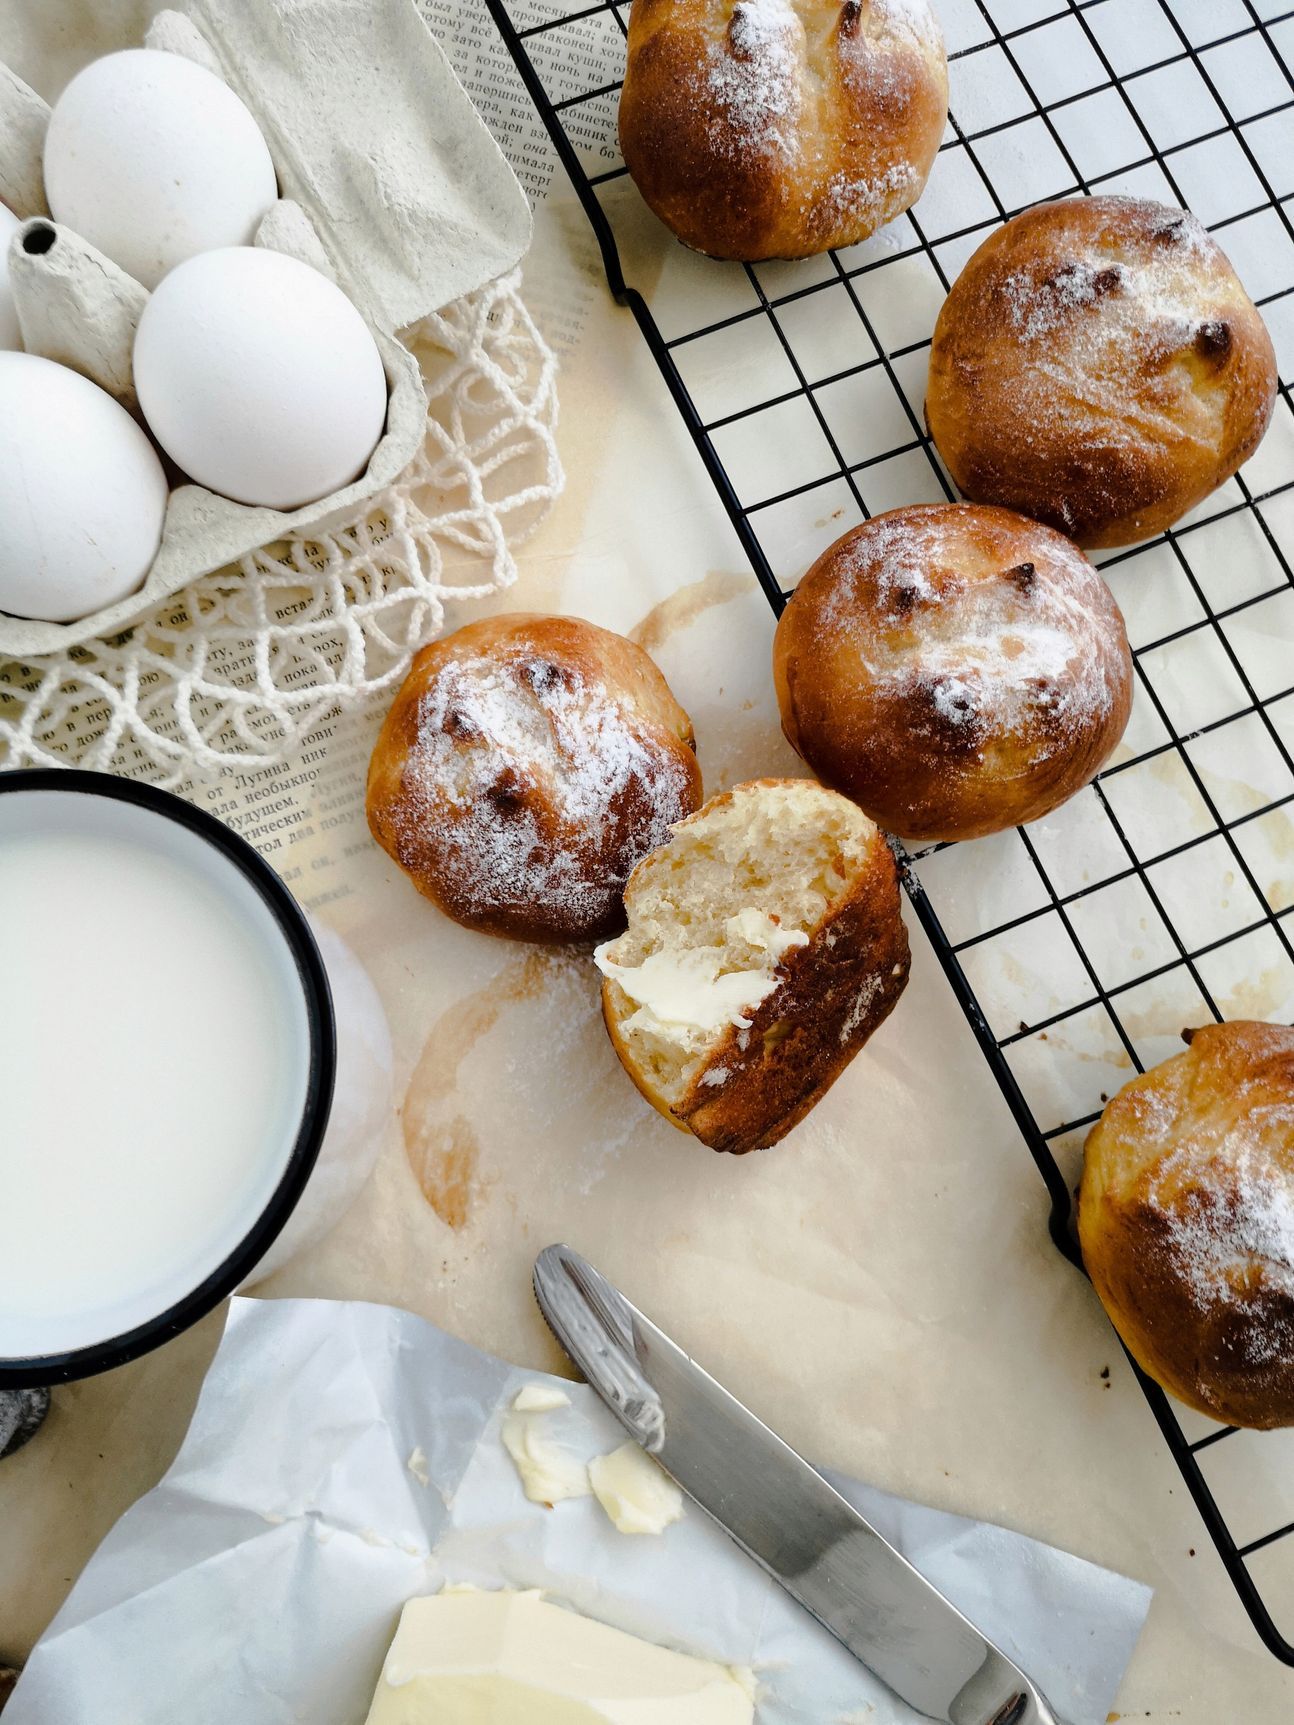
x,y
469,1658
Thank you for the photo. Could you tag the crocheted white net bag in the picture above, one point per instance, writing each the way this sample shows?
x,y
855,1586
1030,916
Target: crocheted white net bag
x,y
234,669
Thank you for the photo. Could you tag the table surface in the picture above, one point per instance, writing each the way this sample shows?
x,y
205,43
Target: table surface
x,y
881,1287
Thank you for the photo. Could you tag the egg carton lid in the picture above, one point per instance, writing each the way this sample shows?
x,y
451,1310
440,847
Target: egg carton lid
x,y
375,138
373,135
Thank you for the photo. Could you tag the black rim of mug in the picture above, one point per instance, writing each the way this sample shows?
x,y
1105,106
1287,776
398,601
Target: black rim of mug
x,y
39,1370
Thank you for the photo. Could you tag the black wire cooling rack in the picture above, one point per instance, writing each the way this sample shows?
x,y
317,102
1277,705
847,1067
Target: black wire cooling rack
x,y
1161,896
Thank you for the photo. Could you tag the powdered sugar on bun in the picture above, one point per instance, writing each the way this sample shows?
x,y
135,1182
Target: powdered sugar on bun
x,y
954,669
753,79
1099,366
528,763
994,651
780,128
1187,1221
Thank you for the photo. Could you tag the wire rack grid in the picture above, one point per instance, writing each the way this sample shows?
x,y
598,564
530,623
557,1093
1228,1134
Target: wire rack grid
x,y
1162,895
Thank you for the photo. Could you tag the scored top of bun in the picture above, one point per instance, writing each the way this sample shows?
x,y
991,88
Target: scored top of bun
x,y
527,763
954,668
1098,366
767,129
1186,1217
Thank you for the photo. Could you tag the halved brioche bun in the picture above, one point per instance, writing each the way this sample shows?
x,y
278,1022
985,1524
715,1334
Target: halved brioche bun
x,y
765,945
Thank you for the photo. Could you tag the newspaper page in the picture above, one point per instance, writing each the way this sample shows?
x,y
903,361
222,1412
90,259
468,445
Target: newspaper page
x,y
586,54
484,66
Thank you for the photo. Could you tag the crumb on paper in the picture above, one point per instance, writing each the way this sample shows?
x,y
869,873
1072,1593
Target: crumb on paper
x,y
539,1399
273,1519
417,1465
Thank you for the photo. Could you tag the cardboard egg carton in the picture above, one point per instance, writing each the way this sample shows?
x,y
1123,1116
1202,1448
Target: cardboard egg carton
x,y
389,183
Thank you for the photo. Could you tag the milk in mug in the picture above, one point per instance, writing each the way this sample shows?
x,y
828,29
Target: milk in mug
x,y
154,1061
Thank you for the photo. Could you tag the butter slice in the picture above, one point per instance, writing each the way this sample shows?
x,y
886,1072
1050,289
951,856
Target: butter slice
x,y
539,1399
514,1659
759,929
634,1492
688,988
549,1472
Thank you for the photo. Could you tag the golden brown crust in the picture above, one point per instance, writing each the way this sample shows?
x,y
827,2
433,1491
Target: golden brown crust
x,y
1098,366
832,995
780,128
955,669
1186,1217
526,764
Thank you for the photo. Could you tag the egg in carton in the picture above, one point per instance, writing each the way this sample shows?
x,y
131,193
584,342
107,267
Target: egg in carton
x,y
390,185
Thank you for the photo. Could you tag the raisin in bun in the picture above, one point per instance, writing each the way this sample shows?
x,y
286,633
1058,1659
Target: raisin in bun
x,y
526,765
780,128
954,669
1186,1217
1098,366
765,945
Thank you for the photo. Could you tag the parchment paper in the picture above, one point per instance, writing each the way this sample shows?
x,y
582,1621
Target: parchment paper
x,y
273,1559
881,1287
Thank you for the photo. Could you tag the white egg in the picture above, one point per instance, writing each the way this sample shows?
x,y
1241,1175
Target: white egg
x,y
259,378
82,493
153,159
10,333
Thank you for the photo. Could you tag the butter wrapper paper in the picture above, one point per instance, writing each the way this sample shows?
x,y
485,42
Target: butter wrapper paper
x,y
262,1579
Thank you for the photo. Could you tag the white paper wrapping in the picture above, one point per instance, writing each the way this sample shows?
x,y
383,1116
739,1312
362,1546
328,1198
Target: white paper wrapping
x,y
261,1581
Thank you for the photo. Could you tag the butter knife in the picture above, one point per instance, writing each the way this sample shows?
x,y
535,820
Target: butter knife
x,y
779,1510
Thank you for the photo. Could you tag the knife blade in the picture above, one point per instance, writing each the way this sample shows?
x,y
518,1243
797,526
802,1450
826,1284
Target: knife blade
x,y
779,1510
